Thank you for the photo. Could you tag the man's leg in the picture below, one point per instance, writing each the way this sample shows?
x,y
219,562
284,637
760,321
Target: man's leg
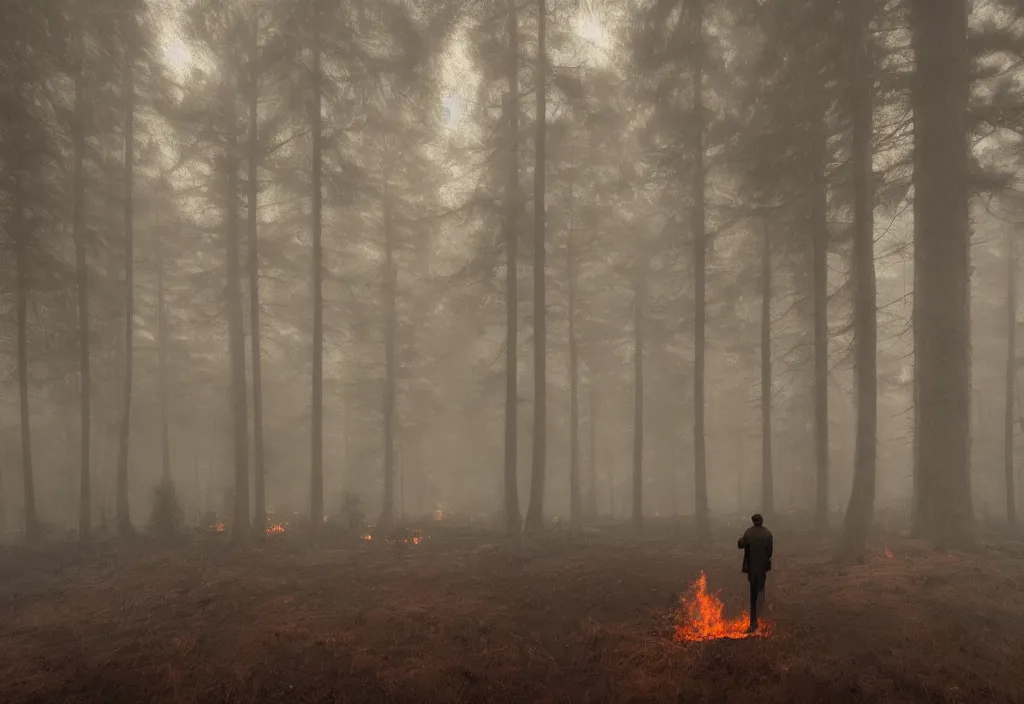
x,y
754,591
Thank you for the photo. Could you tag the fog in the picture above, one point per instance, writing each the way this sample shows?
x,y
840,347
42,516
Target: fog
x,y
346,269
416,127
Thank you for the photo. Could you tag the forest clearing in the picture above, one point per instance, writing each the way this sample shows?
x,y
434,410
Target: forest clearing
x,y
586,618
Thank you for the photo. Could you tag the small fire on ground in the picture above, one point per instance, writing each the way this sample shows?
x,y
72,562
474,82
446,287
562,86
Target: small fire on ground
x,y
407,536
702,617
275,528
412,537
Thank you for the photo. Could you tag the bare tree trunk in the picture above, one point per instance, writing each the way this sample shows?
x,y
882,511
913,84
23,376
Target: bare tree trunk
x,y
124,521
860,511
819,269
638,395
512,517
81,266
917,529
767,473
253,191
391,366
535,512
346,432
316,492
942,279
1011,378
20,235
161,334
575,507
592,495
241,529
700,272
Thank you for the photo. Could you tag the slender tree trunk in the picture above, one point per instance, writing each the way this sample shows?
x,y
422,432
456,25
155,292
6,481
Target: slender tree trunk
x,y
20,235
916,525
819,267
346,433
161,335
391,366
535,512
575,507
253,191
400,471
316,493
124,520
767,473
81,266
611,492
592,496
1011,379
512,517
242,527
860,511
638,396
942,279
700,266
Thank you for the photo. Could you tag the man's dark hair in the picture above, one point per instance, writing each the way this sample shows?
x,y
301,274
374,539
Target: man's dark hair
x,y
757,518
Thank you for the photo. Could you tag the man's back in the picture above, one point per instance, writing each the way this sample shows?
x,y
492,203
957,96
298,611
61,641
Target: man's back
x,y
757,546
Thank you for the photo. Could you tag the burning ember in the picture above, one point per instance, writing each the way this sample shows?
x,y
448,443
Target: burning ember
x,y
399,538
275,528
219,527
888,552
412,539
407,536
702,618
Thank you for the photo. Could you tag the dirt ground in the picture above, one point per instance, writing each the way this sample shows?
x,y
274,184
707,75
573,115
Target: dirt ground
x,y
586,619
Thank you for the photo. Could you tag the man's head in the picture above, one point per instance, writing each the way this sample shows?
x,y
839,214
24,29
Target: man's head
x,y
757,519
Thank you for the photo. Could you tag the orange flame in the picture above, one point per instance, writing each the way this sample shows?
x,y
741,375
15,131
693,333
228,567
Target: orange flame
x,y
701,617
367,538
412,537
219,527
888,552
275,528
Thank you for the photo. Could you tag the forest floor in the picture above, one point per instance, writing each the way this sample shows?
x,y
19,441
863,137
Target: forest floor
x,y
453,619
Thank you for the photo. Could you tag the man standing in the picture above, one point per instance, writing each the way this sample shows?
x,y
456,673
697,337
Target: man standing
x,y
756,544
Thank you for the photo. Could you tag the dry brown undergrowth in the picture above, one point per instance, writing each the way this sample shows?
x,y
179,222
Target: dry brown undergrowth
x,y
454,619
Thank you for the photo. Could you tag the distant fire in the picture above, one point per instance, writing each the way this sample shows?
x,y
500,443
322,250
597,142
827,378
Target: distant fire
x,y
219,527
275,528
702,618
401,537
888,552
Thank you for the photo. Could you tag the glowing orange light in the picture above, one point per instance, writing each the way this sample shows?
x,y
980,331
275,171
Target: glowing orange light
x,y
702,618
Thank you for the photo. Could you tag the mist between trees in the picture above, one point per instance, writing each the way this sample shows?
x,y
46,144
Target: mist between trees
x,y
327,254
